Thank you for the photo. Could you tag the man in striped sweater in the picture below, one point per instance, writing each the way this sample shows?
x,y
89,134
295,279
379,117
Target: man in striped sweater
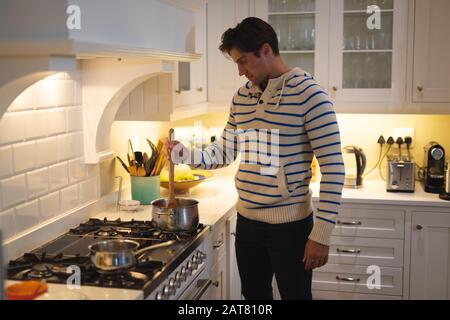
x,y
278,120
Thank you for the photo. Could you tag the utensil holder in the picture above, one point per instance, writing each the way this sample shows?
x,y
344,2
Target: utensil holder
x,y
145,189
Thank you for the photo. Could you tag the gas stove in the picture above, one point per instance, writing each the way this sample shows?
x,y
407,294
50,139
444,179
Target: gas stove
x,y
55,261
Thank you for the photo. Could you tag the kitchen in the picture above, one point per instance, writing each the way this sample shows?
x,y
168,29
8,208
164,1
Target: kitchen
x,y
79,79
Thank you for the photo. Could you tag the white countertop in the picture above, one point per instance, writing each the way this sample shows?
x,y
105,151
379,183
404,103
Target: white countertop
x,y
218,195
62,292
374,192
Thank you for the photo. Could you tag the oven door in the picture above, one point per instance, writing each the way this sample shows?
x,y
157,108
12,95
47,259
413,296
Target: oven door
x,y
199,290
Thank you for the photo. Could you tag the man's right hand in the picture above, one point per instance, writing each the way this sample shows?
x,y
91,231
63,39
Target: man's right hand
x,y
176,149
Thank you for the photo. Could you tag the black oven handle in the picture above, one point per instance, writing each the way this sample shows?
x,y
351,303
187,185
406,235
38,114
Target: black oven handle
x,y
204,285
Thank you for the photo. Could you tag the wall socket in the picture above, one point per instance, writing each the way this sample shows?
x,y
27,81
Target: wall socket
x,y
404,132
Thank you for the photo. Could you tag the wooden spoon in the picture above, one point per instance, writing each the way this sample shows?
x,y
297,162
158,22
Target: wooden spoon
x,y
172,201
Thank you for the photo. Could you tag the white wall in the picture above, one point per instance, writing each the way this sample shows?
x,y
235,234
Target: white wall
x,y
42,172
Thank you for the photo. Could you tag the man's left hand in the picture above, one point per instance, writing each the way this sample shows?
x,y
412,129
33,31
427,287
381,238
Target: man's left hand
x,y
316,255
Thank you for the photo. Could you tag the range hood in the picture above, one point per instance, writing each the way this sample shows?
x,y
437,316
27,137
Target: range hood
x,y
117,45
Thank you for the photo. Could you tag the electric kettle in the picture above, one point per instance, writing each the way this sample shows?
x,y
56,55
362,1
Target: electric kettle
x,y
355,164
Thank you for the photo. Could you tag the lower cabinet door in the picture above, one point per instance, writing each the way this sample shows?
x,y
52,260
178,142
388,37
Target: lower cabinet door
x,y
430,256
218,277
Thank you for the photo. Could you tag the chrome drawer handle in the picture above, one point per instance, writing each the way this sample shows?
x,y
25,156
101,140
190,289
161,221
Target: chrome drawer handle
x,y
348,250
218,244
348,279
352,223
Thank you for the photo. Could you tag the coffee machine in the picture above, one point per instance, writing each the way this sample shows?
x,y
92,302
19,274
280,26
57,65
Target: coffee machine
x,y
355,164
433,174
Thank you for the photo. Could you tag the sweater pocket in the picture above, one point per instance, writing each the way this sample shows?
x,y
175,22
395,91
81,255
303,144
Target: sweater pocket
x,y
257,188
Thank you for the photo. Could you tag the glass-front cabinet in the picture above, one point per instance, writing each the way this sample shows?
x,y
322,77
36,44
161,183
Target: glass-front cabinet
x,y
300,26
355,48
368,51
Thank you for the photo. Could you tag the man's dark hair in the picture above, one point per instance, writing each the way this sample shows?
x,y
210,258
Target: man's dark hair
x,y
249,36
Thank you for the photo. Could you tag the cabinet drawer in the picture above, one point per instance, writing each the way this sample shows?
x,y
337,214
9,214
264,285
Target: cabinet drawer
x,y
352,278
368,222
218,242
366,251
339,295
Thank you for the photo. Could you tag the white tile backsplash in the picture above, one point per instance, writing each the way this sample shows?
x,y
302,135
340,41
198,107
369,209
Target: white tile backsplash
x,y
24,101
50,205
59,176
46,152
13,191
24,155
70,146
77,170
88,190
36,124
42,171
11,128
6,161
56,121
74,119
38,183
66,93
8,223
46,94
27,215
69,198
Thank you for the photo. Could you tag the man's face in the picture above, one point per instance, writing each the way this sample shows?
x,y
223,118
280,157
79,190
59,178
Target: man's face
x,y
252,67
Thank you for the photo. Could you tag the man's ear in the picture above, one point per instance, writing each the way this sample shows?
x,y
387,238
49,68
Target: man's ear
x,y
266,49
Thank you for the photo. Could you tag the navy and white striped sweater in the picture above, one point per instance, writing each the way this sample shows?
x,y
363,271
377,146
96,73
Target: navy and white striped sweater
x,y
278,132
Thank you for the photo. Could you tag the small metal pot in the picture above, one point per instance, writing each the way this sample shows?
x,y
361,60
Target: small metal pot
x,y
117,256
181,217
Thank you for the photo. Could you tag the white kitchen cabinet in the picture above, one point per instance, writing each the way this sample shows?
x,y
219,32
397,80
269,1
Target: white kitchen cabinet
x,y
365,235
189,78
302,30
223,76
430,255
219,280
234,281
367,65
431,64
218,261
363,70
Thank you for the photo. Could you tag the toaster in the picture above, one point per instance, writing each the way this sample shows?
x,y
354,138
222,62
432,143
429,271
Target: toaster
x,y
401,175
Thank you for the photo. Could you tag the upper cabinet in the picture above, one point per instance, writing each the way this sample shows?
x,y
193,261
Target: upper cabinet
x,y
223,77
431,71
367,60
356,49
189,81
301,27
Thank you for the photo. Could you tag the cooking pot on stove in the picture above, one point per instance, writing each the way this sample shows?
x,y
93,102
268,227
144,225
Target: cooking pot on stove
x,y
183,216
117,256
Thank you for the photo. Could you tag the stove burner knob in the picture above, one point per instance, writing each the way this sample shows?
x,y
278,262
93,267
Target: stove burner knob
x,y
173,285
200,258
195,262
178,279
160,296
168,291
184,273
191,268
201,255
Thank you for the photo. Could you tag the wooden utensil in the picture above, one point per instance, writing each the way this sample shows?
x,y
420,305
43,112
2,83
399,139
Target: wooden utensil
x,y
172,202
123,164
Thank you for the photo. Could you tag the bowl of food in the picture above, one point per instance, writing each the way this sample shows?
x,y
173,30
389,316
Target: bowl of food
x,y
185,179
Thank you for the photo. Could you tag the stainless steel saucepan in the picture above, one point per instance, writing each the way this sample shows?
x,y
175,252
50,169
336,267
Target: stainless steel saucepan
x,y
117,256
175,214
